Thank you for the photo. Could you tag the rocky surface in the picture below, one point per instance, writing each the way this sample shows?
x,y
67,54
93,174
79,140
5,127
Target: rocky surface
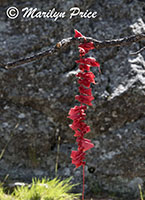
x,y
35,98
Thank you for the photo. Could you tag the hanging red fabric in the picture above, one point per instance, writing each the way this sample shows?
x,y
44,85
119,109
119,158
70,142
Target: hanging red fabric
x,y
77,114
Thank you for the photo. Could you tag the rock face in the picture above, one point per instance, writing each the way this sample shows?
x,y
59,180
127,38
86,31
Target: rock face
x,y
35,98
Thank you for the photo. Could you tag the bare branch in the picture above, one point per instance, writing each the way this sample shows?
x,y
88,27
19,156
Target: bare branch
x,y
75,41
137,52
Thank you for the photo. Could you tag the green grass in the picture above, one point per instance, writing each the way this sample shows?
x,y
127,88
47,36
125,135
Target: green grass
x,y
140,191
42,190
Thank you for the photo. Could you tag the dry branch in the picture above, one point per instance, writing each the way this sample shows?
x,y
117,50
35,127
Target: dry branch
x,y
137,52
75,41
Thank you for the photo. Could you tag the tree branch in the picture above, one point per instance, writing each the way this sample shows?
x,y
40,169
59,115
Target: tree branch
x,y
75,41
137,52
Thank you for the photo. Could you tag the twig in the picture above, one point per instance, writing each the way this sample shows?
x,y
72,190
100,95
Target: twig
x,y
57,155
137,52
75,41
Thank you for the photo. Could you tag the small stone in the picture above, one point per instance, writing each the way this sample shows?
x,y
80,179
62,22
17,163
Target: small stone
x,y
102,128
19,78
67,172
114,114
119,136
21,116
41,90
5,124
107,119
20,128
6,107
110,129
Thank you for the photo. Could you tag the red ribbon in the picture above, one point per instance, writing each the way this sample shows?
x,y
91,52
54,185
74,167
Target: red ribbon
x,y
77,114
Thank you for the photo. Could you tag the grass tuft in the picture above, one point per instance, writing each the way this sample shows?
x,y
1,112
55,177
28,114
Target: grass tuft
x,y
44,189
